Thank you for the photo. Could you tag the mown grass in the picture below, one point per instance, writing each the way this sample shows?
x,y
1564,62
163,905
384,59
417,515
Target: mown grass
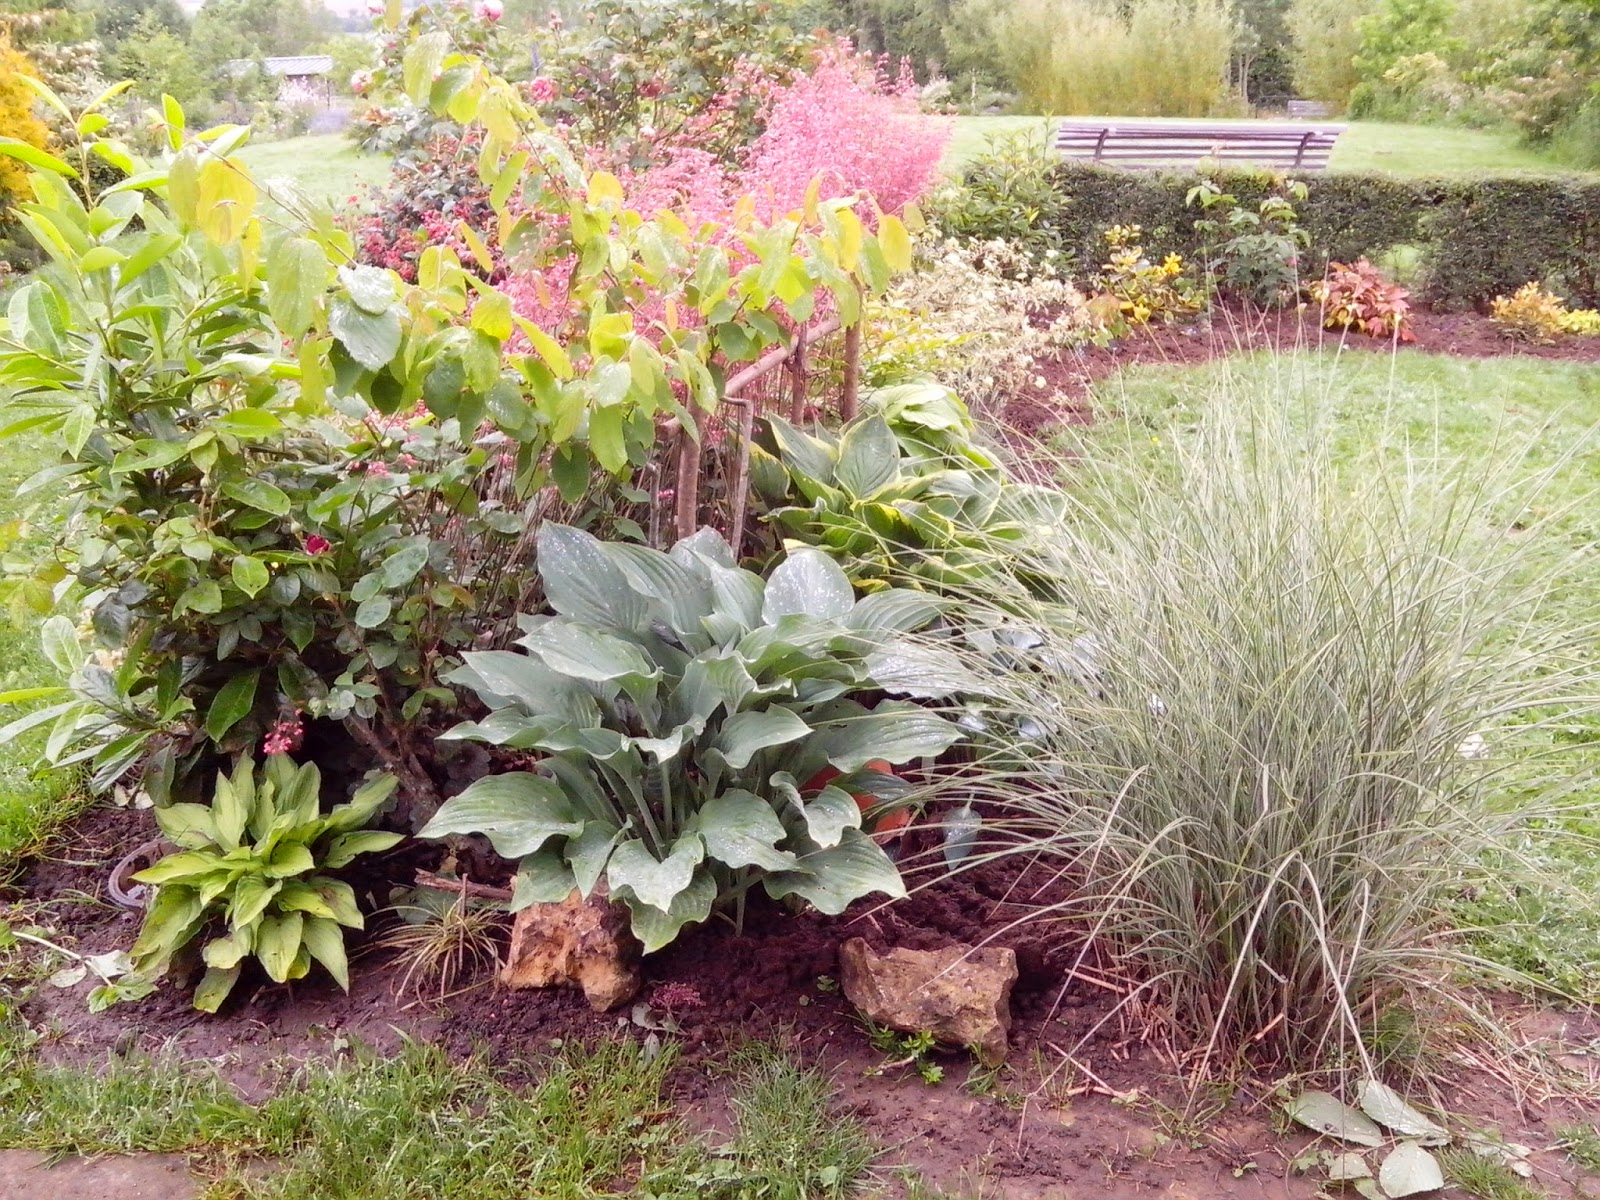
x,y
326,166
1540,416
590,1121
1405,150
32,805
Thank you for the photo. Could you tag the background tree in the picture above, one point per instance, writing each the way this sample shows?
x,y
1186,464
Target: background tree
x,y
160,61
1324,42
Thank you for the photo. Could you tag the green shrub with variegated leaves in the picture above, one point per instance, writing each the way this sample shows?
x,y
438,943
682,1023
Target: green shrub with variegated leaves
x,y
701,731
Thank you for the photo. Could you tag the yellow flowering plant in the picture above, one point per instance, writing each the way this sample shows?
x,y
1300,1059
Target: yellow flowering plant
x,y
1146,291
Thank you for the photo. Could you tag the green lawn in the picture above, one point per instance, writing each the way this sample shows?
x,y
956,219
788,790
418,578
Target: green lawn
x,y
327,166
592,1122
1409,150
30,806
1534,415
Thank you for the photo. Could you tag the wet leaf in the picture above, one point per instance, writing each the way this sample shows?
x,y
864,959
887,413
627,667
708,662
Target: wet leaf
x,y
1327,1115
1409,1170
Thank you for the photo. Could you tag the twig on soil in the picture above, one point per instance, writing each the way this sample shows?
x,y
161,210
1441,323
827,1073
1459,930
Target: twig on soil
x,y
438,883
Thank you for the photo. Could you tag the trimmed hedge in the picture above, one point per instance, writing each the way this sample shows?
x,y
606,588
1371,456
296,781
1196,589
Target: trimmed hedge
x,y
1480,237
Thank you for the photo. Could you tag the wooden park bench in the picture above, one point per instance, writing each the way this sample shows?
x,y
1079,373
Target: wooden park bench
x,y
1146,144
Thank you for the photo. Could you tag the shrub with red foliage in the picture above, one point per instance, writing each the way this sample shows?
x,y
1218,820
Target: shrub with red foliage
x,y
1357,296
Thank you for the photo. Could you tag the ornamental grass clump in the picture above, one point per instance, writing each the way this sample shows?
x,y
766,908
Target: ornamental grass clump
x,y
1283,710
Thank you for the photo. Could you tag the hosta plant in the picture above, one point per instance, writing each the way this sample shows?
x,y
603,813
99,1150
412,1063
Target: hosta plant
x,y
698,730
909,502
252,865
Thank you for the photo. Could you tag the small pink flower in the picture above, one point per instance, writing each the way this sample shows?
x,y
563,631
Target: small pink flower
x,y
361,80
375,8
489,10
541,90
378,470
408,461
317,544
284,737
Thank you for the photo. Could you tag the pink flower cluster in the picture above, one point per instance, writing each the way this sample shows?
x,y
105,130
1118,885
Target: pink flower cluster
x,y
284,737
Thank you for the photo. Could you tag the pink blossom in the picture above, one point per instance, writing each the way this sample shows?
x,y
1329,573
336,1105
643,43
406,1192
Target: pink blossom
x,y
360,81
408,461
317,544
541,90
489,10
284,737
375,8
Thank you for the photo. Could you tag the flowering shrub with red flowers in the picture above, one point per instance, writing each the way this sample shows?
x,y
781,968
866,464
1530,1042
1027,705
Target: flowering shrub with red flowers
x,y
427,199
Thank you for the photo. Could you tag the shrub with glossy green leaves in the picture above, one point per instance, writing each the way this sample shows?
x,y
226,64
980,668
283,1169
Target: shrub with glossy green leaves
x,y
254,859
701,730
297,483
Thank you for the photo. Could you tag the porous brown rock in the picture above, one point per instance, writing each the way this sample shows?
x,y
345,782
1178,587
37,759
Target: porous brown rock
x,y
575,943
961,995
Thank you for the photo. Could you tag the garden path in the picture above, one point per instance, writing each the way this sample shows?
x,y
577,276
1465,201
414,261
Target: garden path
x,y
25,1175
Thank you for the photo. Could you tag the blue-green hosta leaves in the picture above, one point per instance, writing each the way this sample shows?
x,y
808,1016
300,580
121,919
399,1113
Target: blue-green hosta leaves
x,y
582,583
746,734
678,700
655,882
740,829
518,812
808,583
894,731
656,928
250,859
832,878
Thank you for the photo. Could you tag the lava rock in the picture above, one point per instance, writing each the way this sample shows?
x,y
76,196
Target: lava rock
x,y
961,995
575,943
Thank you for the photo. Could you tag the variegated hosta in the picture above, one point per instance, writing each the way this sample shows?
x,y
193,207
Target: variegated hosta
x,y
680,706
901,493
251,858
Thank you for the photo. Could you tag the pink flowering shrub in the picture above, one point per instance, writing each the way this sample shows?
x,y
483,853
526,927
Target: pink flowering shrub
x,y
856,128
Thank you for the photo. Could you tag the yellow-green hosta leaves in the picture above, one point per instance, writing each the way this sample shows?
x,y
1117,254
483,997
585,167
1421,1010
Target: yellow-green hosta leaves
x,y
249,863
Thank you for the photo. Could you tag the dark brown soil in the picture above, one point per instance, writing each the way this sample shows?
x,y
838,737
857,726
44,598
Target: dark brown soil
x,y
1072,373
1039,1129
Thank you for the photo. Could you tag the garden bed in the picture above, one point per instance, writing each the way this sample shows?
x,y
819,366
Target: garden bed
x,y
1115,1126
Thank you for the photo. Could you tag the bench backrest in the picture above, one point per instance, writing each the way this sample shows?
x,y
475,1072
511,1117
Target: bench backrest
x,y
1143,145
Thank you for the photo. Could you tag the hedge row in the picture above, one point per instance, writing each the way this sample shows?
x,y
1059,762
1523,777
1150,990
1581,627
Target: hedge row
x,y
1480,237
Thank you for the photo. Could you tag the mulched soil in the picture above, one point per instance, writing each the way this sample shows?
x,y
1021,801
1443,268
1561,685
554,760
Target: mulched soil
x,y
1023,1134
1071,374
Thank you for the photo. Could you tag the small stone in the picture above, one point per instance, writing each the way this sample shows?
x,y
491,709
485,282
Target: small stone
x,y
575,943
960,994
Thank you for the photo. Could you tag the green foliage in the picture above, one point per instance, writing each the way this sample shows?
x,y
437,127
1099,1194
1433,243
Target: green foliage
x,y
290,500
633,72
254,858
1480,236
1009,193
900,496
684,707
1326,39
1143,58
1259,258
